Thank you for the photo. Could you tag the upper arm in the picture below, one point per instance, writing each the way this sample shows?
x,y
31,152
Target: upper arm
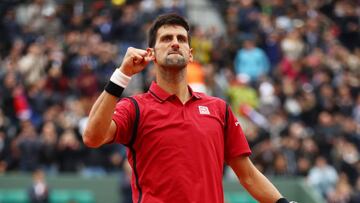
x,y
111,133
122,122
235,140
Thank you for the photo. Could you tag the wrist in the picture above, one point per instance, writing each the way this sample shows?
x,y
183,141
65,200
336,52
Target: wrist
x,y
120,78
118,81
125,72
283,200
114,89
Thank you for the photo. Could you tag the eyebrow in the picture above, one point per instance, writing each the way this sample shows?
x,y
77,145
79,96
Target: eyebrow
x,y
170,35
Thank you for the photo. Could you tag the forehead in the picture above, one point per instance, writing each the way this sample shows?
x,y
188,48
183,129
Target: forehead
x,y
171,30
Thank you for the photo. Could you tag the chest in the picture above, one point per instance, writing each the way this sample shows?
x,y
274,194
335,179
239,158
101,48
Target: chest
x,y
181,126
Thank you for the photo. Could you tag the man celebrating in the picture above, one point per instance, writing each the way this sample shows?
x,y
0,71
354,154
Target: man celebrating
x,y
178,139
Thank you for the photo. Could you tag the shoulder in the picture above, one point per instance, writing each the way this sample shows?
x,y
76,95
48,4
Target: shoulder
x,y
240,51
128,105
142,98
206,99
259,50
123,105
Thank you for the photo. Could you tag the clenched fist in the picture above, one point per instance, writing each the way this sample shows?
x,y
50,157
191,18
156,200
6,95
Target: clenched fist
x,y
135,60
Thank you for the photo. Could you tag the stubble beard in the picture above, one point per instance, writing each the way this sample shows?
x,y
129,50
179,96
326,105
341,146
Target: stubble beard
x,y
178,62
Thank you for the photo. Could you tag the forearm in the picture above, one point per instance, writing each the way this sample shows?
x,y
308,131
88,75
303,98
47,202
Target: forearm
x,y
261,188
105,103
254,181
96,132
100,129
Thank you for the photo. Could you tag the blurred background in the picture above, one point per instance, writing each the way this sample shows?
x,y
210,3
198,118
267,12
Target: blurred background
x,y
289,68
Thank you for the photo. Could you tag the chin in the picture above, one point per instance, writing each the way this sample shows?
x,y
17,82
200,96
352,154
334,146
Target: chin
x,y
175,66
178,62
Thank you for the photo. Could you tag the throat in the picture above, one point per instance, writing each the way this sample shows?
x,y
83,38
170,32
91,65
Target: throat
x,y
173,81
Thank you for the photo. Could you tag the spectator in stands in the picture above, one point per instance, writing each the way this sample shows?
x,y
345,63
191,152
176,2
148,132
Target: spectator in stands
x,y
202,45
32,65
5,155
251,61
356,194
28,146
323,176
342,191
247,16
8,86
48,153
69,152
326,132
39,191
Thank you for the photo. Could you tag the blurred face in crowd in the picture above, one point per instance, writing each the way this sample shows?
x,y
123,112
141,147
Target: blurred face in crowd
x,y
246,3
249,44
172,47
35,49
38,176
320,162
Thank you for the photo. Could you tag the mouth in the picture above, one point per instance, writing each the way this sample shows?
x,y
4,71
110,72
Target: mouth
x,y
174,52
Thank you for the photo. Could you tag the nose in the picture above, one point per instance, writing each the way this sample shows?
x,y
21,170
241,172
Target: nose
x,y
175,44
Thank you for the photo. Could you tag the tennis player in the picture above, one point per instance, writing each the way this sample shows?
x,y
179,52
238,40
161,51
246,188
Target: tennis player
x,y
178,139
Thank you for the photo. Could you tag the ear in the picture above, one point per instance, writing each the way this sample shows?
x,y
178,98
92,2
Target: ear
x,y
191,57
151,53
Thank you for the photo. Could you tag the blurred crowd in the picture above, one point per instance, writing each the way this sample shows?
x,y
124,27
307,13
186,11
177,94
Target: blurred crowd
x,y
289,69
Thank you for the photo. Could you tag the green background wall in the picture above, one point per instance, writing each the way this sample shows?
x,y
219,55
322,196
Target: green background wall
x,y
106,189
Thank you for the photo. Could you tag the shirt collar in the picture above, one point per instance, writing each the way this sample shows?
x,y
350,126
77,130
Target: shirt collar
x,y
161,95
193,94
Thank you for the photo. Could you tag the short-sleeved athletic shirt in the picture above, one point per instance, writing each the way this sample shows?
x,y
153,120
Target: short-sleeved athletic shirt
x,y
180,149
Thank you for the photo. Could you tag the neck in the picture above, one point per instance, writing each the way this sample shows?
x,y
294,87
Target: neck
x,y
173,81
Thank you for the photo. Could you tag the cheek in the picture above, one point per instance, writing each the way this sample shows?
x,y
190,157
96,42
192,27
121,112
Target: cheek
x,y
157,55
158,51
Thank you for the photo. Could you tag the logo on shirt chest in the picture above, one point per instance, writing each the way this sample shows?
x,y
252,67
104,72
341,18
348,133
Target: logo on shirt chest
x,y
204,110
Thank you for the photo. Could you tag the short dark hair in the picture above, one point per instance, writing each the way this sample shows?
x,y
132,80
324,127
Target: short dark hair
x,y
166,19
